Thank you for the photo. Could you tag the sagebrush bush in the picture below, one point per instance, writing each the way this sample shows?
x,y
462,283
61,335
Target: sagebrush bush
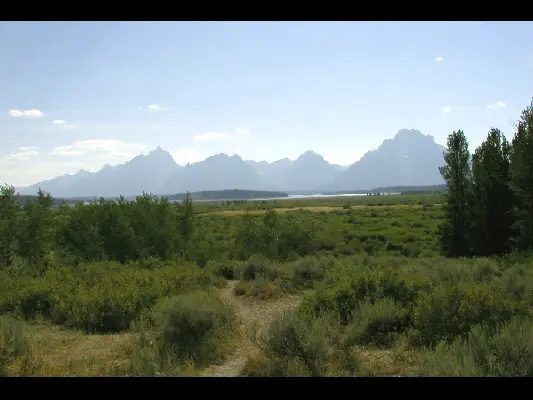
x,y
345,295
308,271
101,297
294,346
258,265
262,287
508,352
377,324
195,325
13,342
451,311
223,269
485,351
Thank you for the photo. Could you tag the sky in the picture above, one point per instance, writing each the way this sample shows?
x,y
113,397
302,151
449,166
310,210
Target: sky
x,y
79,95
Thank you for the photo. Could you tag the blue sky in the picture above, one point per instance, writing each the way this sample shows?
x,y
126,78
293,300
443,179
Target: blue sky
x,y
83,94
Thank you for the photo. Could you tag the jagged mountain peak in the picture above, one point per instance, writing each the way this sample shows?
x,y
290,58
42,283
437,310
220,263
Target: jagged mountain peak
x,y
409,158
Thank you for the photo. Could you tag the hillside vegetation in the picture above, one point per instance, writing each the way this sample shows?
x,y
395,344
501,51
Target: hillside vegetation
x,y
427,284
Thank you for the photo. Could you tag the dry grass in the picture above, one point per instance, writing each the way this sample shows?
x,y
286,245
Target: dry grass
x,y
57,351
317,209
377,362
371,362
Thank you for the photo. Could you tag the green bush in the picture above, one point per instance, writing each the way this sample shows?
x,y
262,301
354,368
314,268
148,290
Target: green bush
x,y
101,297
344,296
194,327
376,324
307,271
223,269
451,311
13,342
505,351
262,288
259,265
299,347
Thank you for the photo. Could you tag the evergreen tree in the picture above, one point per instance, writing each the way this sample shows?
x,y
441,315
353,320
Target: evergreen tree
x,y
9,207
456,174
492,200
35,233
522,179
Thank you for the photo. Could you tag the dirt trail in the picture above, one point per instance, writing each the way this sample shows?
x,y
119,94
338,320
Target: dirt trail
x,y
249,311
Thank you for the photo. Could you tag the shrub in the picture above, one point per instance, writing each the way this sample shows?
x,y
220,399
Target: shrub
x,y
376,324
195,325
262,288
13,342
344,296
100,297
258,265
223,269
451,311
509,352
294,346
307,271
485,351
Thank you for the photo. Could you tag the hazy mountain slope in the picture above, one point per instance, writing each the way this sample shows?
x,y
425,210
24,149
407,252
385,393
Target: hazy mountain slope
x,y
409,159
217,172
142,173
310,171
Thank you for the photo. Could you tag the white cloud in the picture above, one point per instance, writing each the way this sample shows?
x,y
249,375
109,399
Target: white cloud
x,y
33,113
22,155
242,131
498,104
439,59
154,107
63,123
446,110
27,148
8,137
185,156
101,148
210,136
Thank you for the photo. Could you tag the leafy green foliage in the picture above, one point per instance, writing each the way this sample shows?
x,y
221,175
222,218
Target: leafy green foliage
x,y
456,174
97,297
195,327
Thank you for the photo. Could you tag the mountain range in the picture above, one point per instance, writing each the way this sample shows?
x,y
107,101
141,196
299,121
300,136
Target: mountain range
x,y
410,158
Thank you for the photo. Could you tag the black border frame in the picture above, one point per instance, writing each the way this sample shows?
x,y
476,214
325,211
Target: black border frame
x,y
265,388
223,11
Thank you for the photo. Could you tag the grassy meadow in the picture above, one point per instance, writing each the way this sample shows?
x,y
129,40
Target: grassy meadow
x,y
309,287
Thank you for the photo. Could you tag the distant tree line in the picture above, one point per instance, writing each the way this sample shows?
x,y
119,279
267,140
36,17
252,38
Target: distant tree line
x,y
489,201
146,228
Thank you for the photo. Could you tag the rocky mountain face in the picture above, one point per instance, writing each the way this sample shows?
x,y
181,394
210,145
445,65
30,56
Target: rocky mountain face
x,y
408,159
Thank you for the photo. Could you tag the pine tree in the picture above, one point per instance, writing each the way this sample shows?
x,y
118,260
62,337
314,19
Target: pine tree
x,y
9,207
35,233
522,179
456,174
491,208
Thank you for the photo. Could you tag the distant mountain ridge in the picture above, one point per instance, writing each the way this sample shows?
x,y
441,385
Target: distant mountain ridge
x,y
408,159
